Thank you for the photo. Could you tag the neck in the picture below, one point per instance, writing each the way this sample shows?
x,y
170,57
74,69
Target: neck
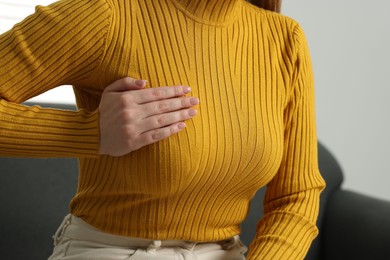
x,y
216,11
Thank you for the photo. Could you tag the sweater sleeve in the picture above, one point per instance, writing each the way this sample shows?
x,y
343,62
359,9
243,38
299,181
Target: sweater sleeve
x,y
291,202
61,44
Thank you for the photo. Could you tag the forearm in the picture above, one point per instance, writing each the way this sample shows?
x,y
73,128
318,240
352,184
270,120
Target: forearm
x,y
287,231
38,132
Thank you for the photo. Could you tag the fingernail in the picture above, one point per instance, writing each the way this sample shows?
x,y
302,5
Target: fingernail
x,y
186,90
192,112
140,82
194,101
181,125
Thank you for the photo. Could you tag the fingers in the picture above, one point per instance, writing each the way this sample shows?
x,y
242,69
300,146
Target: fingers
x,y
166,119
147,95
126,84
156,135
169,105
160,93
163,126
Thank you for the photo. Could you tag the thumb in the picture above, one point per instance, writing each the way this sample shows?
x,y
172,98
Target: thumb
x,y
125,84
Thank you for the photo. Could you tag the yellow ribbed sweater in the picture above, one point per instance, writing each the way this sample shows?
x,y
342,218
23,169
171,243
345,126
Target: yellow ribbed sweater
x,y
251,70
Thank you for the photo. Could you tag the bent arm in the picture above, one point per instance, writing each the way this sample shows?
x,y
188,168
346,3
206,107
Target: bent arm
x,y
61,44
291,203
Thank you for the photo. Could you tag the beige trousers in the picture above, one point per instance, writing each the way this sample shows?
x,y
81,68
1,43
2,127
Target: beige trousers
x,y
76,240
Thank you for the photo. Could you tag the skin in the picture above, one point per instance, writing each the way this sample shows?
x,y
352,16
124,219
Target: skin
x,y
132,117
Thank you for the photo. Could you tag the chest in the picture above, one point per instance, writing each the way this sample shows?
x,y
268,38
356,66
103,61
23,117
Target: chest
x,y
240,86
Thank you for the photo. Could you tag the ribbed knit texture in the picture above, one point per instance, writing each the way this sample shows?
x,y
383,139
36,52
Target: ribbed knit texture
x,y
250,69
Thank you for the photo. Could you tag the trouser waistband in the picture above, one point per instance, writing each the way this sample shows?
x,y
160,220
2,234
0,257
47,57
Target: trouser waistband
x,y
76,228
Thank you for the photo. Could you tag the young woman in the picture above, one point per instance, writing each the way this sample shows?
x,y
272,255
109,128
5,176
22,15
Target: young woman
x,y
169,172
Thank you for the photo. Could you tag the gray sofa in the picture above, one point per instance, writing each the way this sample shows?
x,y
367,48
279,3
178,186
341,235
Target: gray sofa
x,y
34,197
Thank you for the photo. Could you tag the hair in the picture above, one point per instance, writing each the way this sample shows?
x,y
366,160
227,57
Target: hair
x,y
272,5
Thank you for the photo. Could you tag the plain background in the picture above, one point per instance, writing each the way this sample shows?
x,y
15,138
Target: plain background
x,y
349,42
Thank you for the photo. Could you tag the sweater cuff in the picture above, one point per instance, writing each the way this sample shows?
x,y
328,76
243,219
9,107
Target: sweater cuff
x,y
289,237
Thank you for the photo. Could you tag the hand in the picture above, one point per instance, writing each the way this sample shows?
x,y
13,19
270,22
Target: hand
x,y
132,117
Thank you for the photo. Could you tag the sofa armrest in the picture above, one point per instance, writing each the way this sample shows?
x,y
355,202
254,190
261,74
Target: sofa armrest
x,y
356,227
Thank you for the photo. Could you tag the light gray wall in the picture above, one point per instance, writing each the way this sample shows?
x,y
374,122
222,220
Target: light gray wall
x,y
349,42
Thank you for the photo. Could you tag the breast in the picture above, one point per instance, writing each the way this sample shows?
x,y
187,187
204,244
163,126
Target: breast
x,y
219,149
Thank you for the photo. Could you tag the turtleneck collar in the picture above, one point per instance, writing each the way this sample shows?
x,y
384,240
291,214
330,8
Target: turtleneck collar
x,y
210,11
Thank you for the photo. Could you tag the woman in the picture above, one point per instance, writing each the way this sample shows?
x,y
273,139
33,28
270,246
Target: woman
x,y
164,175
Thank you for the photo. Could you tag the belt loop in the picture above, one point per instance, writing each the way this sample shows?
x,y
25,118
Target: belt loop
x,y
237,240
61,229
238,244
232,243
154,246
190,245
